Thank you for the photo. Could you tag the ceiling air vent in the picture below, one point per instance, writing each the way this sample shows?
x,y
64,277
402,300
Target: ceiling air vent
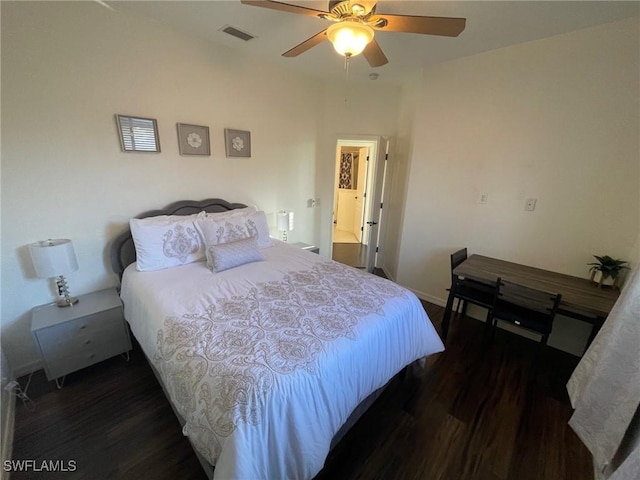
x,y
233,31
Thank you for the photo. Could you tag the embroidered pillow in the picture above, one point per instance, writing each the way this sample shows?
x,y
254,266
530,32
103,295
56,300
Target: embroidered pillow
x,y
165,241
238,212
233,254
214,230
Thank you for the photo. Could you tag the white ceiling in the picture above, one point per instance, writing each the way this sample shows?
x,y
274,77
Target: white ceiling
x,y
490,25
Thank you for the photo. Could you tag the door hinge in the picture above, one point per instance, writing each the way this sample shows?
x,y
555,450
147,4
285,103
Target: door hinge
x,y
376,249
386,156
364,195
362,229
381,203
367,158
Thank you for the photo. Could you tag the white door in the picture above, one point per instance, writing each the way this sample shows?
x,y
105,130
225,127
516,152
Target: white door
x,y
373,212
361,188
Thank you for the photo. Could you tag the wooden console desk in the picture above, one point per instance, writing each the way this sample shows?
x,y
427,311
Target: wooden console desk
x,y
581,298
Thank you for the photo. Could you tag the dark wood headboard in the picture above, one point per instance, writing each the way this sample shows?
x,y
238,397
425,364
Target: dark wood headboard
x,y
122,252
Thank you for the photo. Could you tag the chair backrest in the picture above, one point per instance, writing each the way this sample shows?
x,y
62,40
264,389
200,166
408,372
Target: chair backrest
x,y
456,259
530,298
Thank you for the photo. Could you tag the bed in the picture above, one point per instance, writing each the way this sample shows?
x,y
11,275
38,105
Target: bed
x,y
269,362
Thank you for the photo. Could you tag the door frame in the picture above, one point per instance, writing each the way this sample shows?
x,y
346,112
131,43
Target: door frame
x,y
377,152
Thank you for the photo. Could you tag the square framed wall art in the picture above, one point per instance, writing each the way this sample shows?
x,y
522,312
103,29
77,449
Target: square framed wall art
x,y
193,139
237,143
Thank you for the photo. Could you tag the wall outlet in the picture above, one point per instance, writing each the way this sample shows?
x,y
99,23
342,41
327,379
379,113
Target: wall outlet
x,y
482,198
530,205
312,202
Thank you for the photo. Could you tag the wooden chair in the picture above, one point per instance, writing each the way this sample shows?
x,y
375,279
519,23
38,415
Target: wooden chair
x,y
456,259
466,291
531,309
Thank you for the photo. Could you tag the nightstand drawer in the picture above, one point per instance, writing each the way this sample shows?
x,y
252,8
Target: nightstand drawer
x,y
81,342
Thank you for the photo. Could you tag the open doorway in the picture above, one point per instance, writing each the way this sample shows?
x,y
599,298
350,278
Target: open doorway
x,y
356,213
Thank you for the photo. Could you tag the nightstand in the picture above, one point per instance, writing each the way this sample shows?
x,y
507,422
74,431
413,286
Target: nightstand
x,y
306,246
71,338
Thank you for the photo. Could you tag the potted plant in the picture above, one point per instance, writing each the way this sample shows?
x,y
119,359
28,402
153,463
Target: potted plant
x,y
606,270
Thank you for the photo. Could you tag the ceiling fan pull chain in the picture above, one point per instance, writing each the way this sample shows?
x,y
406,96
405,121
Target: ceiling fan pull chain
x,y
346,78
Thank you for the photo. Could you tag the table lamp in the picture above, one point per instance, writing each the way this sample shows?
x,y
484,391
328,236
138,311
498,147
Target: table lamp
x,y
55,258
284,223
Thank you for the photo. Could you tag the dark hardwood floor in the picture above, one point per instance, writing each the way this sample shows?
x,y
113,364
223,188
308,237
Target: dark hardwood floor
x,y
352,254
473,412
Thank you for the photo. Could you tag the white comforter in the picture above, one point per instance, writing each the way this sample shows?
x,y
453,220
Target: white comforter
x,y
267,360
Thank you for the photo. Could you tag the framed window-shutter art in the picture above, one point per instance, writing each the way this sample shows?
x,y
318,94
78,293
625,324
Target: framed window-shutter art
x,y
138,134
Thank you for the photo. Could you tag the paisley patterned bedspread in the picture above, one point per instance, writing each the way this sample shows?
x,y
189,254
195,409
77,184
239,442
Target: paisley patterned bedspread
x,y
267,360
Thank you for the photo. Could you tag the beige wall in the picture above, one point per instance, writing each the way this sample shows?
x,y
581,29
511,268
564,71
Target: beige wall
x,y
370,109
556,120
398,168
68,67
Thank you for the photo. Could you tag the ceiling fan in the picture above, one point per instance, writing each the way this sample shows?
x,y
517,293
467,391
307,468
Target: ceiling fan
x,y
354,24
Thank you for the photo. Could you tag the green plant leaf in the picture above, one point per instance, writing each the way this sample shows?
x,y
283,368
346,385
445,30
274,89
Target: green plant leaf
x,y
609,266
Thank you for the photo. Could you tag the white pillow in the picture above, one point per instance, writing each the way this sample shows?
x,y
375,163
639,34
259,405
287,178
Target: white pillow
x,y
166,241
233,254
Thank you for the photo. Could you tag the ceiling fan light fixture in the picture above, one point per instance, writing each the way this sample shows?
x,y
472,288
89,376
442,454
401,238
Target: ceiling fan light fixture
x,y
349,38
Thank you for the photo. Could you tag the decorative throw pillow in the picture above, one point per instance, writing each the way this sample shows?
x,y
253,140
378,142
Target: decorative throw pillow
x,y
238,212
165,241
233,254
228,229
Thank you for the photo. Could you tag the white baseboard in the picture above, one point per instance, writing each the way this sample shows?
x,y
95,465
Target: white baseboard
x,y
421,295
442,302
387,274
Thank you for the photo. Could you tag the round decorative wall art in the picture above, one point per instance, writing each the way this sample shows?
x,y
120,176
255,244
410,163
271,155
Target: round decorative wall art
x,y
194,140
237,143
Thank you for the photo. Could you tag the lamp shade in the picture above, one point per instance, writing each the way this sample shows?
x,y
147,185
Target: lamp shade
x,y
284,221
349,38
52,258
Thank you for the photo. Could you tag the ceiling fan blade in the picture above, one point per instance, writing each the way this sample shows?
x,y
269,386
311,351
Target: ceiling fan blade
x,y
374,55
284,7
445,26
306,45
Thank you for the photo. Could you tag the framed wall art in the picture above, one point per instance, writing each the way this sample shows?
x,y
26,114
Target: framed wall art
x,y
138,134
237,143
193,139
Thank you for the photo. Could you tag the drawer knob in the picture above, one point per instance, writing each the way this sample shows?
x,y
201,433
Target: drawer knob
x,y
92,355
87,342
83,326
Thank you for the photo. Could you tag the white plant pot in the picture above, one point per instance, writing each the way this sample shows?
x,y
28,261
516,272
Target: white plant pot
x,y
603,281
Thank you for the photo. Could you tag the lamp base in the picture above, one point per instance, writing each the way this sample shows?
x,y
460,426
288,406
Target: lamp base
x,y
67,302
